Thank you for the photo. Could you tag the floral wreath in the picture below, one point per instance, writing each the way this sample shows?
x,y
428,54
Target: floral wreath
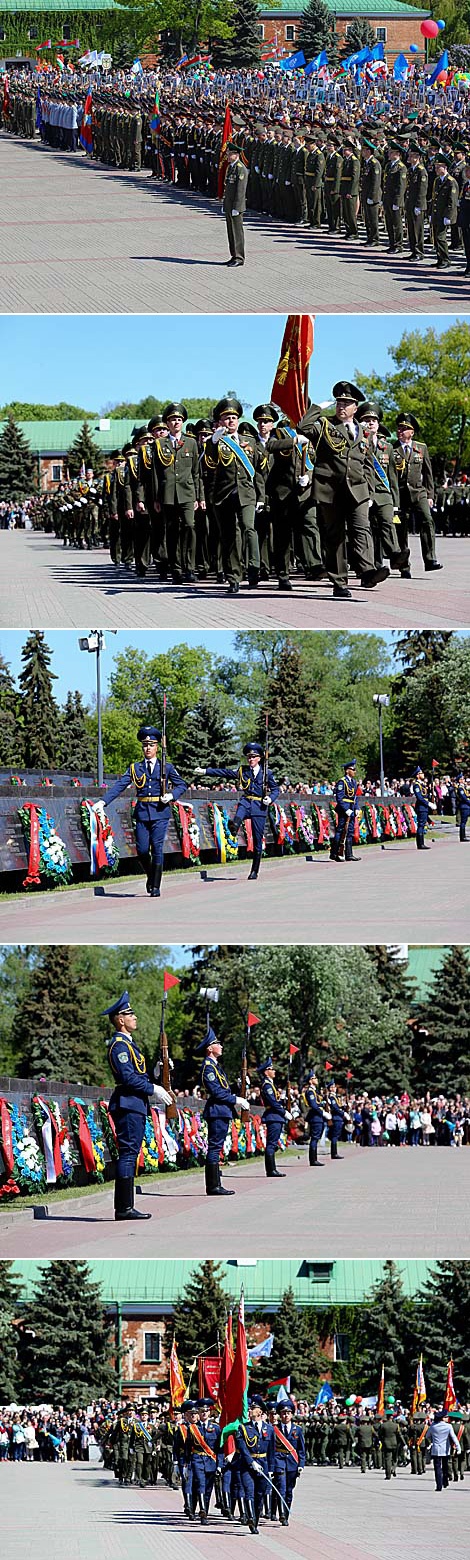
x,y
104,854
89,1137
282,827
54,1138
48,856
187,829
28,1162
304,833
321,823
225,842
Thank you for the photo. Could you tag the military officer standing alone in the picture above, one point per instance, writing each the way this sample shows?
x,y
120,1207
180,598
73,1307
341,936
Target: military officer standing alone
x,y
275,1116
254,799
236,180
152,811
423,806
316,1116
220,1108
416,487
128,1104
346,804
463,805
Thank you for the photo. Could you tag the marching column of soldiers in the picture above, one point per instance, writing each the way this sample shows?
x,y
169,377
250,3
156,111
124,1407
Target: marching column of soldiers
x,y
248,502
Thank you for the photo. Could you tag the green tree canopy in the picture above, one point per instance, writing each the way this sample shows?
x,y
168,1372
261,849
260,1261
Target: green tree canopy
x,y
317,31
33,411
9,1370
359,35
65,1349
441,1052
84,452
199,1317
40,714
18,471
441,1329
431,379
77,748
382,1335
243,47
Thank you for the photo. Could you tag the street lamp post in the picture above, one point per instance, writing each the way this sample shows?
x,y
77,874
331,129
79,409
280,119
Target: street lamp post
x,y
95,643
382,701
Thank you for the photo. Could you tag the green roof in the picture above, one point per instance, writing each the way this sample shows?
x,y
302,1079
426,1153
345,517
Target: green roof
x,y
422,965
159,1282
66,7
55,438
351,8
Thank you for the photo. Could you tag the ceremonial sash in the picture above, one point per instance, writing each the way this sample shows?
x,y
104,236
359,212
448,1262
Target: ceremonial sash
x,y
197,1435
423,1433
240,454
381,473
288,433
286,1444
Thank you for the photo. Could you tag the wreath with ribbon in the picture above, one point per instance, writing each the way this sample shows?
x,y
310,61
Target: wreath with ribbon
x,y
187,829
8,1187
108,1128
104,854
89,1138
304,833
282,827
225,842
409,816
53,1138
48,856
28,1162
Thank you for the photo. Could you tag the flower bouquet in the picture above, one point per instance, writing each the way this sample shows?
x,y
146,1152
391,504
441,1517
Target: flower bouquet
x,y
48,856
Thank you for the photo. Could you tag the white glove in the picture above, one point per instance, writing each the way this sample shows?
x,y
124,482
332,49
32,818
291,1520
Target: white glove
x,y
167,796
303,482
199,771
256,1466
267,799
417,211
302,439
256,169
348,812
395,208
288,1115
235,213
260,506
161,1095
218,434
241,1103
432,806
447,222
369,202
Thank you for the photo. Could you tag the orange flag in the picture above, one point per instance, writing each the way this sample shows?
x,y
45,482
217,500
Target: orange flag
x,y
226,138
450,1400
381,1393
289,389
177,1382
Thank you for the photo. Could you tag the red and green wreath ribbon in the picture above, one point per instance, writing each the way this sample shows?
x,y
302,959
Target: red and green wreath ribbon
x,y
260,1134
185,821
109,1129
410,817
32,875
158,1135
49,1134
6,1137
226,845
104,856
235,1135
281,826
370,814
83,1134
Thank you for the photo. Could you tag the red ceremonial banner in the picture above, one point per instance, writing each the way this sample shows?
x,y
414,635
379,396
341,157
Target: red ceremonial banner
x,y
209,1376
157,1132
84,1138
6,1136
226,137
34,857
288,390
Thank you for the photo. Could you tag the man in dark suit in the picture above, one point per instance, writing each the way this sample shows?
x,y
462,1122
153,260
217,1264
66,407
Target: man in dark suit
x,y
236,180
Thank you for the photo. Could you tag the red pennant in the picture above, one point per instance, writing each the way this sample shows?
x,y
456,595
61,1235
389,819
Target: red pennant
x,y
349,1076
169,981
328,1067
293,1049
251,1020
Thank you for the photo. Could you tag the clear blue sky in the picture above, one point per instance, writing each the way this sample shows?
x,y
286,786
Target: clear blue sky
x,y
75,668
96,360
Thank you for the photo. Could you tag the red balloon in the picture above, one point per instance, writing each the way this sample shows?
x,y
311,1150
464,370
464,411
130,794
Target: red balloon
x,y
429,29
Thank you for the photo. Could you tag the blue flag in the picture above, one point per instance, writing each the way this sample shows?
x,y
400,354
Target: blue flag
x,y
400,68
316,64
325,1394
442,64
262,1351
357,59
378,52
294,61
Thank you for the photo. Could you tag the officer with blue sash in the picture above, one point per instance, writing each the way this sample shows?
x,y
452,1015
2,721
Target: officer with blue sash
x,y
254,798
255,1461
346,803
423,806
152,810
219,1111
463,804
337,1123
128,1103
316,1116
203,1455
289,1457
238,492
275,1116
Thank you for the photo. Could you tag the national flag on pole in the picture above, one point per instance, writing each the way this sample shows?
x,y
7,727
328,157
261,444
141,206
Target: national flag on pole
x,y
86,132
293,1049
226,1366
60,62
251,1020
440,69
289,388
280,1385
177,1381
226,138
381,1393
450,1400
46,45
156,116
324,1395
263,1350
170,980
419,1394
235,1407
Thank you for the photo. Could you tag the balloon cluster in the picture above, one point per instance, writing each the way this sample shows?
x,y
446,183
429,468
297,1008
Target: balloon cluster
x,y
430,29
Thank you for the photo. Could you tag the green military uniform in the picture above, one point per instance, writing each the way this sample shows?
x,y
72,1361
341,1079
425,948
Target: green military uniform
x,y
343,485
416,487
176,478
365,1443
444,212
415,205
391,1437
292,509
238,487
393,197
349,188
371,192
236,179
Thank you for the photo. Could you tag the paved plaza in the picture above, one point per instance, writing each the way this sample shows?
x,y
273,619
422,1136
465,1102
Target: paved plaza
x,y
390,1202
53,1511
43,584
82,238
391,894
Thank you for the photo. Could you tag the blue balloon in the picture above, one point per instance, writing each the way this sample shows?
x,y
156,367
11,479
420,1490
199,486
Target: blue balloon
x,y
441,26
414,48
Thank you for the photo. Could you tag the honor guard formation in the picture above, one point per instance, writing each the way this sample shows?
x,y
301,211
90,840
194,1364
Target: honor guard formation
x,y
388,169
243,502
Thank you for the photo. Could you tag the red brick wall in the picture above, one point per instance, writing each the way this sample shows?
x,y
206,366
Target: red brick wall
x,y
134,1367
400,33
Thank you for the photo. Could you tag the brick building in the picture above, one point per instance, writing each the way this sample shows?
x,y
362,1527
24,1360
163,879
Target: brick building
x,y
50,442
139,1298
395,24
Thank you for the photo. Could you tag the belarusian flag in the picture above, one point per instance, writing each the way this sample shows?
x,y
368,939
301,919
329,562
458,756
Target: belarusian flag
x,y
226,138
274,1387
177,1381
236,1390
226,1366
450,1400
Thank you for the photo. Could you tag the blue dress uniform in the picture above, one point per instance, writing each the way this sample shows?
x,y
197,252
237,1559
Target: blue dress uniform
x,y
180,1450
346,802
336,1126
254,1443
288,1462
219,1110
421,802
152,816
128,1108
204,1459
275,1117
315,1116
250,804
463,803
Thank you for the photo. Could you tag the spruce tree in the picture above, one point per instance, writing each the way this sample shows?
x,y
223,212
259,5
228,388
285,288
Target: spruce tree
x,y
295,1350
50,1027
295,742
420,647
18,476
66,1346
84,452
39,712
441,1053
77,746
243,48
11,733
360,35
9,1295
317,31
441,1329
208,738
382,1336
199,1315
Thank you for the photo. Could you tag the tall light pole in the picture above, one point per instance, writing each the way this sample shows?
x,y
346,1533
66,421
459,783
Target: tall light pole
x,y
95,643
382,701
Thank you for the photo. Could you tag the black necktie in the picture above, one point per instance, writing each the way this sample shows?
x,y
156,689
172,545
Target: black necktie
x,y
149,769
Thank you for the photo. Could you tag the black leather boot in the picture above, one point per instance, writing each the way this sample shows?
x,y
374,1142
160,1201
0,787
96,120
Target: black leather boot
x,y
223,1190
250,1517
256,866
313,1155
